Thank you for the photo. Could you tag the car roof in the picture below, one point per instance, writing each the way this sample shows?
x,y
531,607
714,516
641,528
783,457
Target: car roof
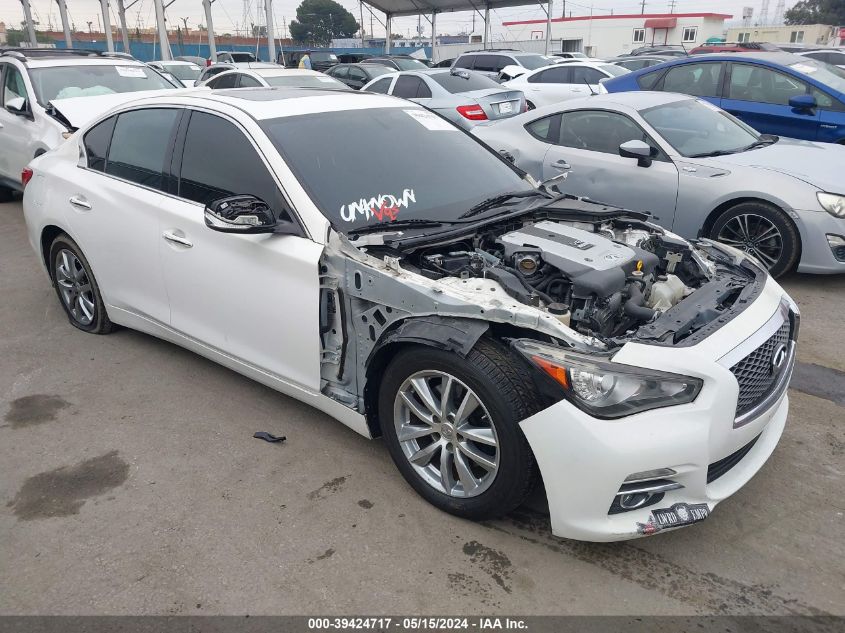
x,y
636,100
270,103
42,62
773,57
281,72
173,62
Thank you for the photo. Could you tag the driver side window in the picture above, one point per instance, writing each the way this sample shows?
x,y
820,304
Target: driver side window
x,y
241,172
599,131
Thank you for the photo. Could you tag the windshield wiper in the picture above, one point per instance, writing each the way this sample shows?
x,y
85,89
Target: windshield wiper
x,y
399,224
765,139
500,200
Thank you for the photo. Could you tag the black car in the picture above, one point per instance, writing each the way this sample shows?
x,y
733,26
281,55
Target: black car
x,y
353,58
671,50
445,63
357,75
320,60
398,62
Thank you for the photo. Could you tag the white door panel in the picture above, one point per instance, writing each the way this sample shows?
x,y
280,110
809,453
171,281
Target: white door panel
x,y
255,297
117,226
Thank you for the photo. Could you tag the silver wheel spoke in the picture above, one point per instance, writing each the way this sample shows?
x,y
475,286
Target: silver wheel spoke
x,y
447,479
412,432
478,434
423,391
424,455
477,456
764,257
468,405
87,308
415,408
768,233
445,397
468,480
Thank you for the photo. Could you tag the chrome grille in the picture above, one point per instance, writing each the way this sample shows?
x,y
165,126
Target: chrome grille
x,y
754,372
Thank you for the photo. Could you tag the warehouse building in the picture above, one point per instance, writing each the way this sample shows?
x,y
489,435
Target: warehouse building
x,y
611,35
811,34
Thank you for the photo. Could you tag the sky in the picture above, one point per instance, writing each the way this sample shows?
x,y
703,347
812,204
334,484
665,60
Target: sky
x,y
228,14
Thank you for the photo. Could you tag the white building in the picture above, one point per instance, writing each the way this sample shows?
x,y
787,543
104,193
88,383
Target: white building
x,y
611,35
815,34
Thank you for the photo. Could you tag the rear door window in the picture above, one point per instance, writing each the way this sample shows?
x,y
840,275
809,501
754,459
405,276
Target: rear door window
x,y
411,87
97,141
465,61
584,75
226,81
382,85
561,74
245,81
140,144
700,80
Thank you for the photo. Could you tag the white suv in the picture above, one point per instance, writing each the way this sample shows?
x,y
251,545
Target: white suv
x,y
48,93
490,62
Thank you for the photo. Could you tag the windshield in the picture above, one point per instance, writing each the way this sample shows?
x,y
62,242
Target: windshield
x,y
183,71
696,127
465,81
388,164
409,64
63,82
304,81
825,73
243,58
532,62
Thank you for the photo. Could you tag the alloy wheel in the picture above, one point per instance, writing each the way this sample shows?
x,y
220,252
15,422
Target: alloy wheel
x,y
75,287
754,234
446,434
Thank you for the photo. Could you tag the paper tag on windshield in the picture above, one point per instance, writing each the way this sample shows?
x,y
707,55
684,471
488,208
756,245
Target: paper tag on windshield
x,y
328,80
430,121
130,71
804,68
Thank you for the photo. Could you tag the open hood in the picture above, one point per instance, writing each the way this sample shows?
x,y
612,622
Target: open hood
x,y
79,111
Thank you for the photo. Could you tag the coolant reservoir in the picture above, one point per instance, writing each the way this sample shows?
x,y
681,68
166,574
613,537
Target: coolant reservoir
x,y
561,312
666,292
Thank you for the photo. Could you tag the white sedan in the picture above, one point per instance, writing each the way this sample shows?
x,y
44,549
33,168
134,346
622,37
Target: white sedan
x,y
560,82
488,329
273,77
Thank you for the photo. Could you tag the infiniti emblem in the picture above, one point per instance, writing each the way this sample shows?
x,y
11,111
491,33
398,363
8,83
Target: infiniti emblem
x,y
779,358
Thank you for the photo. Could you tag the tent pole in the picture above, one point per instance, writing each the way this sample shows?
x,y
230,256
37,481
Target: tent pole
x,y
549,26
434,36
486,27
104,6
388,25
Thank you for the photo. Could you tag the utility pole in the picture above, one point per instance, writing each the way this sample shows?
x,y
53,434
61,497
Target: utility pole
x,y
104,7
161,28
549,26
209,25
361,7
642,8
672,6
271,36
30,26
124,33
65,26
563,10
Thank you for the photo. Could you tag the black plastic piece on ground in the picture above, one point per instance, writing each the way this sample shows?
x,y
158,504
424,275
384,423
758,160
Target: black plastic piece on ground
x,y
269,437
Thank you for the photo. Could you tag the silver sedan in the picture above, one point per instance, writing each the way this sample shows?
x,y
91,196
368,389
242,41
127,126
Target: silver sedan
x,y
697,169
464,97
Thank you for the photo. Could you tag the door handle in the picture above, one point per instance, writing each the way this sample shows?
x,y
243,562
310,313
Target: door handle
x,y
80,202
177,239
561,164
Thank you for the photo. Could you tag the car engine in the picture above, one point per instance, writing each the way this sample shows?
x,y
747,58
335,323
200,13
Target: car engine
x,y
600,278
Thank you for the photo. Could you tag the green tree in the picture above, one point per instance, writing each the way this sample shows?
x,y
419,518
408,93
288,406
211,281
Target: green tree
x,y
318,21
831,12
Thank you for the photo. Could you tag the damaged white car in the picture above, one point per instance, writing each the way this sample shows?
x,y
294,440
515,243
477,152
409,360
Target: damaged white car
x,y
361,254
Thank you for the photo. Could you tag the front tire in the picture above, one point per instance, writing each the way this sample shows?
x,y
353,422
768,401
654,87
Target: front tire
x,y
464,453
77,288
761,230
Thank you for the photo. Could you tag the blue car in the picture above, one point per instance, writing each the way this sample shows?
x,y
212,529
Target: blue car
x,y
775,93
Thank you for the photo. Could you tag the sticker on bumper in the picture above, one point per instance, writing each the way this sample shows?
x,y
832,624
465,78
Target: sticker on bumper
x,y
679,514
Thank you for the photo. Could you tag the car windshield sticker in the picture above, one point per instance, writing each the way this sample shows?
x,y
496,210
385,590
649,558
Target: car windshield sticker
x,y
804,68
430,121
383,207
130,71
328,80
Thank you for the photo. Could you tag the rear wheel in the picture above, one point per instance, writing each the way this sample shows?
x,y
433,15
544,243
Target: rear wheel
x,y
77,288
763,231
451,425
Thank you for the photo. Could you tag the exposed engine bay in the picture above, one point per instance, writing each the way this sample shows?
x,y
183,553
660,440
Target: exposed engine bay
x,y
602,278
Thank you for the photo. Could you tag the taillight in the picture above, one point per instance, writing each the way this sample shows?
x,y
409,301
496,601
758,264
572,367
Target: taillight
x,y
472,112
208,62
26,176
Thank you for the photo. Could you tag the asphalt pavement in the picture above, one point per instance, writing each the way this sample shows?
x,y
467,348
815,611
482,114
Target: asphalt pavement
x,y
130,483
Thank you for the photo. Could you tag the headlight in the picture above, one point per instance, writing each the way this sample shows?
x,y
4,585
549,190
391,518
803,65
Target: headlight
x,y
605,389
832,203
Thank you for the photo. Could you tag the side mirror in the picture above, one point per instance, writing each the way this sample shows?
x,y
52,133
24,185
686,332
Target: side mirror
x,y
17,105
802,102
640,150
244,214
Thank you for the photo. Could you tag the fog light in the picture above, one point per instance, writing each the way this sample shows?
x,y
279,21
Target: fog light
x,y
837,246
634,501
